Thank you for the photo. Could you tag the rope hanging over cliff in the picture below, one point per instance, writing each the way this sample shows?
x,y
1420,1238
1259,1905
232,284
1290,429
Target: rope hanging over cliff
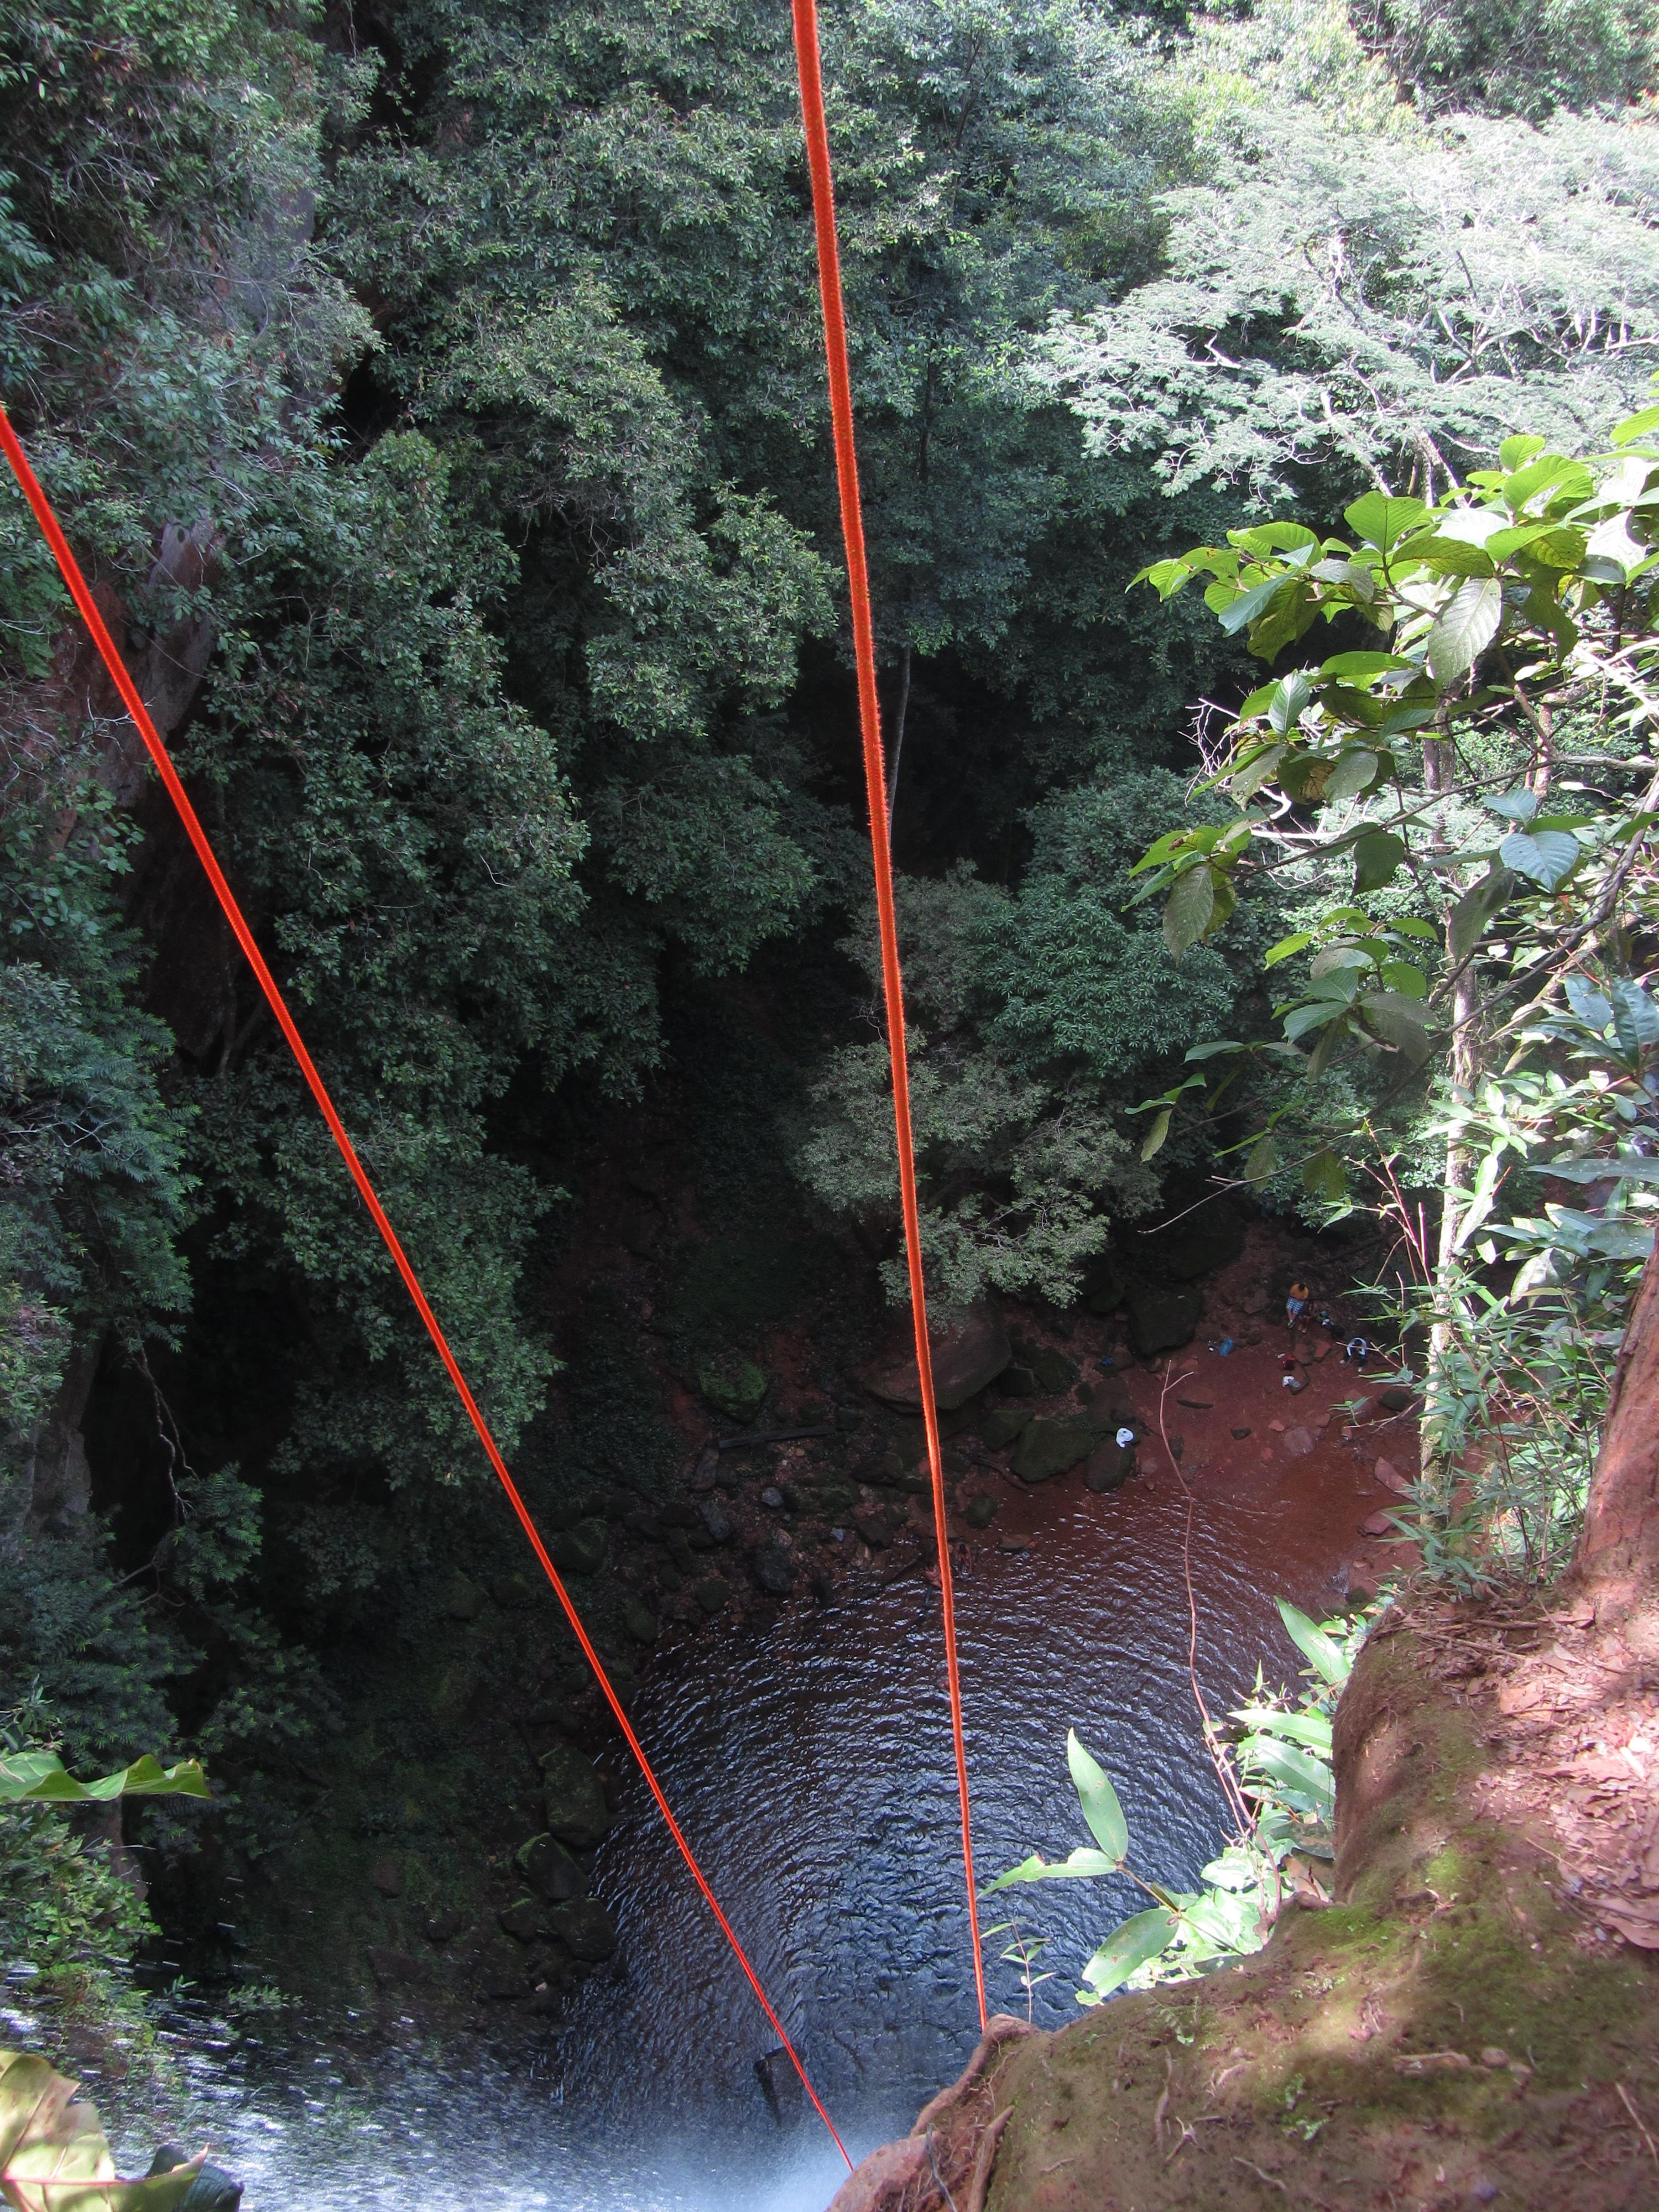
x,y
875,783
70,568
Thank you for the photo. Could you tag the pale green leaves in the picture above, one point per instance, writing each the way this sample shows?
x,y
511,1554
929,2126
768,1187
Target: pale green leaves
x,y
1322,1652
1376,858
1190,914
1466,629
1125,1950
54,2155
1547,856
38,1778
1098,1798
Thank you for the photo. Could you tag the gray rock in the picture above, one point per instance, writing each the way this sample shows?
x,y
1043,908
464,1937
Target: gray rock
x,y
1048,1448
585,1929
980,1511
640,1621
964,1359
576,1810
580,1550
1162,1321
712,1593
1110,1465
773,1568
718,1523
999,1429
549,1869
462,1599
1051,1371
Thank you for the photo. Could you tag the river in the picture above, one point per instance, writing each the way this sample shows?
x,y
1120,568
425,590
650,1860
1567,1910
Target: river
x,y
810,1765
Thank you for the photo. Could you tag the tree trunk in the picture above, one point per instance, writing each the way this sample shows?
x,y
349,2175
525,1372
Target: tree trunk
x,y
1618,1561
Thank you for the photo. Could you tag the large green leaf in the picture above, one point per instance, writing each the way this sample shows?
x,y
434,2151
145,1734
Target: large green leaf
x,y
1323,1655
1635,1016
53,2156
1356,767
1300,1774
1083,1865
1192,904
1475,910
1466,629
38,1778
1313,1730
1548,856
1397,1020
1126,1948
1382,522
1377,856
1626,1168
1098,1798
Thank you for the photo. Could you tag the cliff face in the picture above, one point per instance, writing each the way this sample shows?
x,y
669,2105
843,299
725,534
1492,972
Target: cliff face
x,y
1474,2020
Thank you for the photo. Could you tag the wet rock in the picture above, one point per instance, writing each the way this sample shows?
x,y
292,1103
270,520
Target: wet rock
x,y
773,1568
873,1529
1241,1433
1109,1467
1298,1442
580,1550
707,1472
1048,1448
838,1498
213,2188
640,1621
772,1500
1000,1429
1161,1320
966,1357
499,1970
522,1919
718,1523
712,1593
512,1592
549,1869
1194,1245
462,1599
1017,1381
585,1929
981,1510
387,1875
1104,1286
1395,1401
780,2085
398,1968
1051,1371
733,1386
575,1803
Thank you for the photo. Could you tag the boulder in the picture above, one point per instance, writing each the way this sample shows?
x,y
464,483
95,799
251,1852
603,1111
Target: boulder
x,y
1000,1429
549,1869
773,1568
521,1920
585,1929
387,1875
1395,1400
712,1593
981,1510
1298,1442
500,1970
717,1523
576,1810
1104,1286
1191,1244
1051,1371
580,1550
873,1529
733,1386
838,1498
1017,1381
462,1599
966,1357
1048,1448
512,1592
1161,1320
640,1621
212,2191
1109,1467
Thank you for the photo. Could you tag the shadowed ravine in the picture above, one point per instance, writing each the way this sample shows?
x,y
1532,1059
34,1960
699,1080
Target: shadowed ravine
x,y
811,1765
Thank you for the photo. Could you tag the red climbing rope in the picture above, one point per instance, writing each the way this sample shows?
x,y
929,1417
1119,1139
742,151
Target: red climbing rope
x,y
875,781
158,752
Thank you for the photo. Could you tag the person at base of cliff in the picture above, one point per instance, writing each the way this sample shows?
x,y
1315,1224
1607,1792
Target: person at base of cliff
x,y
1294,1304
1356,1350
1290,1380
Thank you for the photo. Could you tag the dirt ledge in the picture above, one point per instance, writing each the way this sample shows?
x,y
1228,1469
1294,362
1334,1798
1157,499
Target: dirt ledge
x,y
1470,2024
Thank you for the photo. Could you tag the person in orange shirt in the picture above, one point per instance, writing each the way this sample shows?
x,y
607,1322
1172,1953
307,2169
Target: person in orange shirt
x,y
1294,1304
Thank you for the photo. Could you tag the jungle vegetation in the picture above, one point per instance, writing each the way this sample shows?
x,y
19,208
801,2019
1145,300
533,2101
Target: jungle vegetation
x,y
433,389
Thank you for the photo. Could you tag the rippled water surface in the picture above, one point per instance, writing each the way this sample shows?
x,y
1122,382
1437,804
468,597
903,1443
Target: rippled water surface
x,y
812,1767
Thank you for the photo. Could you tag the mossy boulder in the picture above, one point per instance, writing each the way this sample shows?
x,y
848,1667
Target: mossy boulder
x,y
640,1621
522,1919
1110,1465
1163,1320
981,1510
733,1386
1051,1371
999,1429
586,1928
512,1592
1104,1286
549,1869
580,1550
1048,1448
576,1810
712,1593
462,1598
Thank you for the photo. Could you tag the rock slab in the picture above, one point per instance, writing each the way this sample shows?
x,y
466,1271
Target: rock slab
x,y
966,1357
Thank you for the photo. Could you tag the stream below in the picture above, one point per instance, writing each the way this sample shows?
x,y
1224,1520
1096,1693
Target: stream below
x,y
811,1765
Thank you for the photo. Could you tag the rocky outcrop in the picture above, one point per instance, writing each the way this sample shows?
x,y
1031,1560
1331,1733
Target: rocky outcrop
x,y
966,1357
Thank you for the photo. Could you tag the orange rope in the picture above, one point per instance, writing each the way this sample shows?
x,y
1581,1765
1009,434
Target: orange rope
x,y
857,577
158,752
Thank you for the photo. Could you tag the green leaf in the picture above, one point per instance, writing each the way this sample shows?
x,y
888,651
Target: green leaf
x,y
1404,977
1382,522
1547,856
1466,629
1474,911
1626,1167
1128,1948
1635,1016
1262,1159
1290,1769
1377,856
1083,1865
1394,1019
1297,941
38,1778
1209,1051
1449,556
1301,1019
1515,452
1514,806
1635,426
1290,701
53,2152
1249,779
1354,667
1152,1142
1356,767
1324,1177
1191,907
1325,1656
1248,604
1098,1798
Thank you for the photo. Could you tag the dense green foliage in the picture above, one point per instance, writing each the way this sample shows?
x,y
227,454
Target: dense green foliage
x,y
434,392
